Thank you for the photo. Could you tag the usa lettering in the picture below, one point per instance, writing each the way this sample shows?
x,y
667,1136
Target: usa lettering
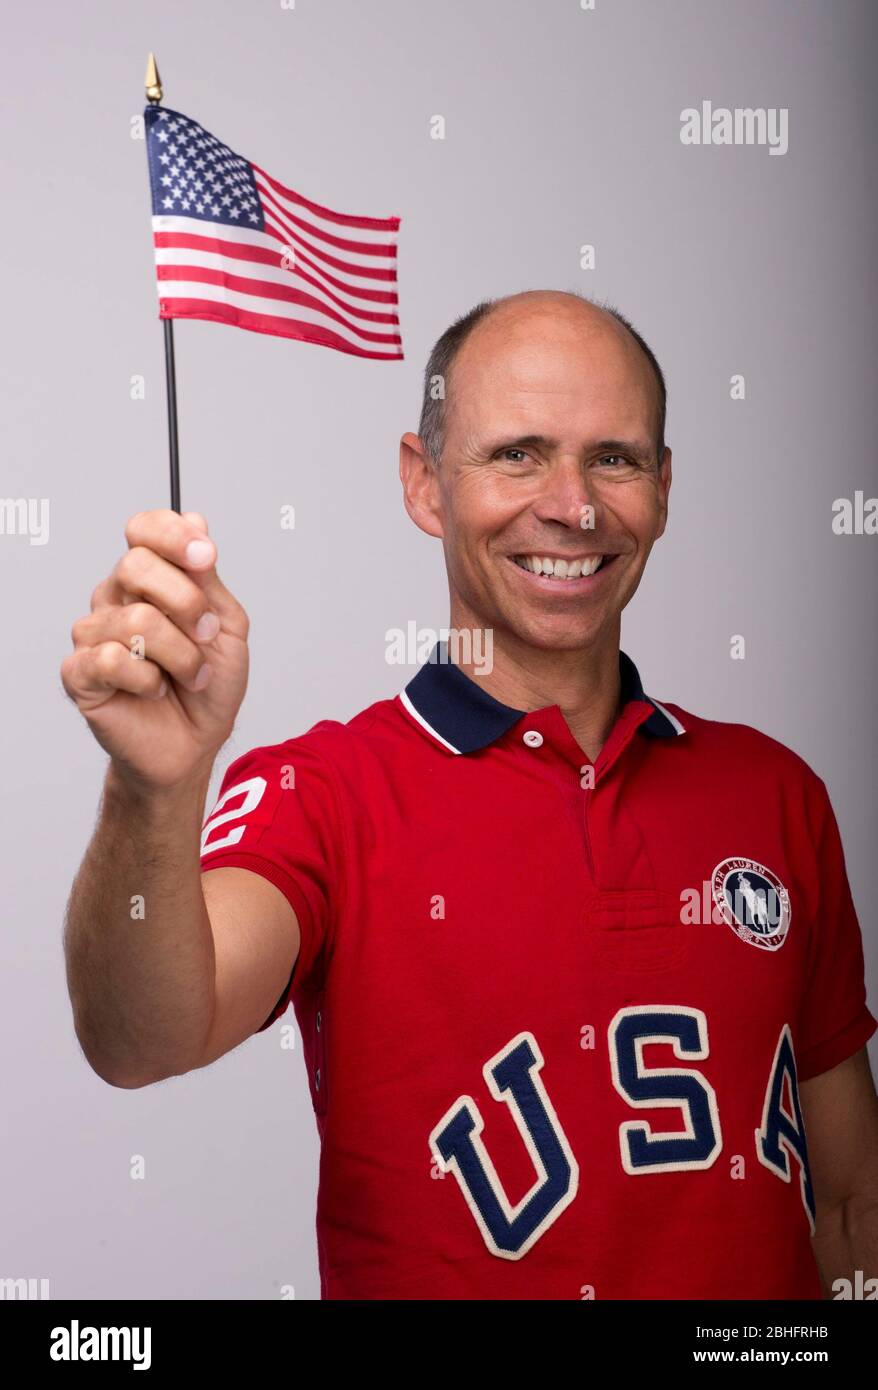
x,y
512,1077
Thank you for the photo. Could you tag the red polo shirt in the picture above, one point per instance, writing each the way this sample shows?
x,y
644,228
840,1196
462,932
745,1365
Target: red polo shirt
x,y
554,1017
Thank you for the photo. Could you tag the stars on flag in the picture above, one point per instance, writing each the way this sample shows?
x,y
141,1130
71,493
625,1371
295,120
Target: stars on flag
x,y
195,175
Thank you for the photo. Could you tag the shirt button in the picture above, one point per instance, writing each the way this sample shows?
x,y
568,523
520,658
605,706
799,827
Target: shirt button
x,y
317,1079
533,739
318,1020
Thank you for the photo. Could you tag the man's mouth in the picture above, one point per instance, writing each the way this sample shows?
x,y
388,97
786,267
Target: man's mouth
x,y
553,567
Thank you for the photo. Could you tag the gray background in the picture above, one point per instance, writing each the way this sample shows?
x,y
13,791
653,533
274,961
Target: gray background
x,y
562,128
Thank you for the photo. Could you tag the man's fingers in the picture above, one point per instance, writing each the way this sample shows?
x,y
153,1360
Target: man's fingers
x,y
142,575
102,595
182,541
221,601
176,538
146,633
92,676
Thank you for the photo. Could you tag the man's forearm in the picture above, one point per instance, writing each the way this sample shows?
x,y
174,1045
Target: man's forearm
x,y
846,1241
138,943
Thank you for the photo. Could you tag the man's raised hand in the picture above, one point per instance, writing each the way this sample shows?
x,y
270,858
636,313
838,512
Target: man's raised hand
x,y
159,666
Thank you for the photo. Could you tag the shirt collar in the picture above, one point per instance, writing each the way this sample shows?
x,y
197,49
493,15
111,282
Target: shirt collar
x,y
462,716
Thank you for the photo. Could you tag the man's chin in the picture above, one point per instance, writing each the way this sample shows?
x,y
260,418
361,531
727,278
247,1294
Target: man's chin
x,y
555,634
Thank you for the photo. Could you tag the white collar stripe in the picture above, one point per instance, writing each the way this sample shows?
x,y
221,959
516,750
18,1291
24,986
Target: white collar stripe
x,y
423,723
677,726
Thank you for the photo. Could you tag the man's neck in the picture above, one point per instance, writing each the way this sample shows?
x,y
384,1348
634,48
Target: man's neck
x,y
585,684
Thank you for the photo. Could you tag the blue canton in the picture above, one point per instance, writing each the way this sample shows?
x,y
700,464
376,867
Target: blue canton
x,y
192,174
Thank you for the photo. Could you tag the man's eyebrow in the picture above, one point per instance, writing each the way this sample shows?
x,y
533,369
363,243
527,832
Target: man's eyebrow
x,y
625,446
541,441
635,447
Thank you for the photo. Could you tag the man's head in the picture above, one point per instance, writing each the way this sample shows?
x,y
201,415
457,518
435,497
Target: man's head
x,y
548,445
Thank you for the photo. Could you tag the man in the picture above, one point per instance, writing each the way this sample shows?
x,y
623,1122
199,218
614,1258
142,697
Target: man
x,y
570,993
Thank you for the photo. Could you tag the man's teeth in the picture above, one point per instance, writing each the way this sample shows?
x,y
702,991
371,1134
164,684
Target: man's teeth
x,y
560,569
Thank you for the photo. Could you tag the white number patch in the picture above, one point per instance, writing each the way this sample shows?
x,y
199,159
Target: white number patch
x,y
253,790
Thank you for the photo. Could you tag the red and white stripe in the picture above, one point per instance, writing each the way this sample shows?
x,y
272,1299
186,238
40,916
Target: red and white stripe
x,y
312,274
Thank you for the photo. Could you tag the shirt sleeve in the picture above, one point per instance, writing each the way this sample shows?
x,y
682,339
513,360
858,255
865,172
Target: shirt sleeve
x,y
277,815
835,1021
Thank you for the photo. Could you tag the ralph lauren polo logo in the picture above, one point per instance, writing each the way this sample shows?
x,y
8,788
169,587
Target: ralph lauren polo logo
x,y
753,901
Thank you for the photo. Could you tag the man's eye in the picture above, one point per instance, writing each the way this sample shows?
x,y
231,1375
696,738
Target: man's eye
x,y
508,453
620,457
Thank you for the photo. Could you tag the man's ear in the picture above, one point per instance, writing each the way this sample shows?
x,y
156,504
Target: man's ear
x,y
664,487
420,485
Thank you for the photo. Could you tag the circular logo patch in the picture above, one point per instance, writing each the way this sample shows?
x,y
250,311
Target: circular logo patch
x,y
753,901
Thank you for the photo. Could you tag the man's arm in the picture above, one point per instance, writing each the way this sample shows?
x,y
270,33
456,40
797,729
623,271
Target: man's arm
x,y
840,1110
159,981
160,994
256,943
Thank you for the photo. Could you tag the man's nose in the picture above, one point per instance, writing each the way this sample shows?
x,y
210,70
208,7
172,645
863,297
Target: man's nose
x,y
567,496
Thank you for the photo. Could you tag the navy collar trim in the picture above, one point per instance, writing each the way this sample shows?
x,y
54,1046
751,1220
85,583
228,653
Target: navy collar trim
x,y
461,715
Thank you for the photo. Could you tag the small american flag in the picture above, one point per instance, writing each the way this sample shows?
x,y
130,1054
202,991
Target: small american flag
x,y
235,246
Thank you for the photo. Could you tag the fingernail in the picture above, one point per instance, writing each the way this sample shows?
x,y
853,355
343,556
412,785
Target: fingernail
x,y
199,552
207,627
202,678
162,690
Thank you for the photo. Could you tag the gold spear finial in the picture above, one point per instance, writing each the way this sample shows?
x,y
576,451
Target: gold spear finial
x,y
152,80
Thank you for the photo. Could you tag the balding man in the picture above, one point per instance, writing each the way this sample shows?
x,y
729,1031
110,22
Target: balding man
x,y
570,999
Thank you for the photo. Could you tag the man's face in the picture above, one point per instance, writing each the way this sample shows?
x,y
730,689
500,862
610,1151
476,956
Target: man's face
x,y
549,455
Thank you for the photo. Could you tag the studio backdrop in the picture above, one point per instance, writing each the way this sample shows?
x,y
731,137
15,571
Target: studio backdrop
x,y
706,167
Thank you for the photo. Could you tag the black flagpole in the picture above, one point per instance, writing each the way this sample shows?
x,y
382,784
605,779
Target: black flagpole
x,y
154,94
171,390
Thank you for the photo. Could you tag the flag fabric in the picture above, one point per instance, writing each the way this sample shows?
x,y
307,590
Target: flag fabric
x,y
235,246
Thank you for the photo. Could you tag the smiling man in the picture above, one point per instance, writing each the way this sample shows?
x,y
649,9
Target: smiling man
x,y
570,1002
544,472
